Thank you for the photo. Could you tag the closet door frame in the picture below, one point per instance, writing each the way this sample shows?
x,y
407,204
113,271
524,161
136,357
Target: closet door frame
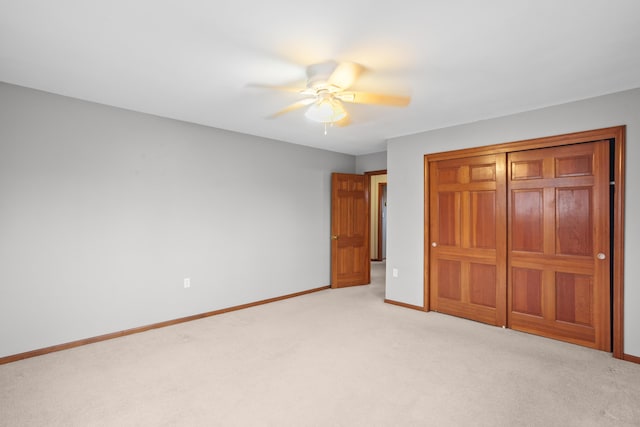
x,y
616,134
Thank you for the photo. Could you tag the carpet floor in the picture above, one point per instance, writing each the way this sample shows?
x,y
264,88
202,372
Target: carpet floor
x,y
332,358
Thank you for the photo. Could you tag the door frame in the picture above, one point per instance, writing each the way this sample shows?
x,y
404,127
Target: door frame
x,y
368,176
617,134
381,186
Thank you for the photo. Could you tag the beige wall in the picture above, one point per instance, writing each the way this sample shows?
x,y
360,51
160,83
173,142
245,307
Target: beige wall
x,y
375,180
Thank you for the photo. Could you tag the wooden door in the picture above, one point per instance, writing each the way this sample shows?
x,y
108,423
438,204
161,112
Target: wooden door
x,y
350,262
468,233
558,272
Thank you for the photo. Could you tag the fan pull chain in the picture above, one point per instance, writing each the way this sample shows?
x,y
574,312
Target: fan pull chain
x,y
325,127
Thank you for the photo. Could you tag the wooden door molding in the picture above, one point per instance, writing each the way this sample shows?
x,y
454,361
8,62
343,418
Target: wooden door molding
x,y
616,134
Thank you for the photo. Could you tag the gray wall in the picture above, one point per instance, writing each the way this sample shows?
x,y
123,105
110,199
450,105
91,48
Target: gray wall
x,y
104,212
406,186
371,162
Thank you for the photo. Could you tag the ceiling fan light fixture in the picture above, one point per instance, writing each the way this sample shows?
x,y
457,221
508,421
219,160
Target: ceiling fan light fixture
x,y
326,110
328,86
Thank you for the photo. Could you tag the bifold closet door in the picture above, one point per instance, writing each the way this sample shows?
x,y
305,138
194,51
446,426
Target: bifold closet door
x,y
468,238
558,243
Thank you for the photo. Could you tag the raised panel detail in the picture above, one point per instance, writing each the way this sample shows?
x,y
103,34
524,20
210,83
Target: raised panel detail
x,y
449,216
483,219
449,279
448,175
574,298
530,169
574,166
574,225
482,173
527,291
527,220
482,283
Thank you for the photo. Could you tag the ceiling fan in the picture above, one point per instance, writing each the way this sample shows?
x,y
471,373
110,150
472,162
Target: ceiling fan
x,y
326,90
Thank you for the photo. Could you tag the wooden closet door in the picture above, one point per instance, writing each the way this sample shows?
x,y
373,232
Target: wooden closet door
x,y
558,272
468,233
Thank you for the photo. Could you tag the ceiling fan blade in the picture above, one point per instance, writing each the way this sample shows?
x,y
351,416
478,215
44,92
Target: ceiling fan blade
x,y
345,121
294,106
345,75
277,87
373,98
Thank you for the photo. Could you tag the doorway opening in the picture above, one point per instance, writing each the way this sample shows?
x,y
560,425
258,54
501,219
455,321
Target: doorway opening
x,y
358,228
377,183
382,221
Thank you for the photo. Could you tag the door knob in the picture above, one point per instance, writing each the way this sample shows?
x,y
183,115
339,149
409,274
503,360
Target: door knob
x,y
601,255
334,237
434,244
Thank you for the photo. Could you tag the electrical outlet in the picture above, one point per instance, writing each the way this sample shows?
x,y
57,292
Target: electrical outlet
x,y
394,272
187,282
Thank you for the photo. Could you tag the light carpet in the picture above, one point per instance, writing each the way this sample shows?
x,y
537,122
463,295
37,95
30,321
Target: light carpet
x,y
332,358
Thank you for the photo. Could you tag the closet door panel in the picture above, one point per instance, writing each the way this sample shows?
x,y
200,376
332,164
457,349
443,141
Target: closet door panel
x,y
468,229
558,228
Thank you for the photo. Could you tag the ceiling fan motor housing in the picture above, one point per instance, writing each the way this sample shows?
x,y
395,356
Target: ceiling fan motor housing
x,y
318,74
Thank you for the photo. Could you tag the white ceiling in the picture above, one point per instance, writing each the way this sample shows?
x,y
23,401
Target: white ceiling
x,y
460,60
